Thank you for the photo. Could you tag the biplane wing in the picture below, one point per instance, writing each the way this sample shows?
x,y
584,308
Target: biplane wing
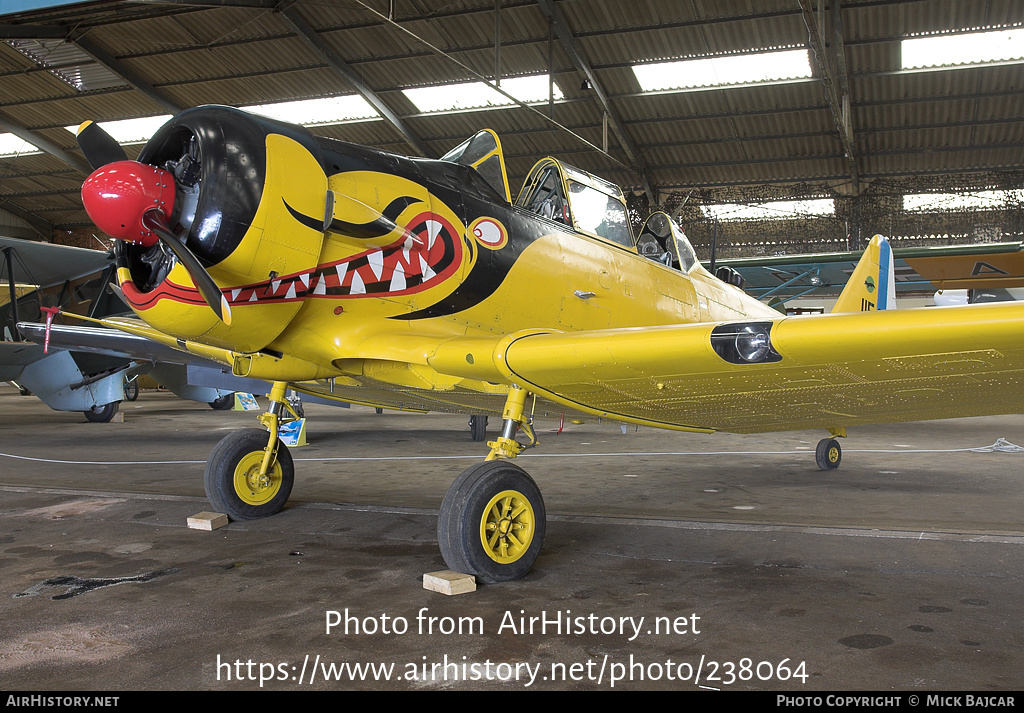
x,y
85,368
46,265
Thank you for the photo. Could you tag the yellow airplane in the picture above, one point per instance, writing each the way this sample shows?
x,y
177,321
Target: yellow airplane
x,y
355,274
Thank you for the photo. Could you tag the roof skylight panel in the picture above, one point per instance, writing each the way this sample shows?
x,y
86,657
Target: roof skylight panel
x,y
771,210
975,200
463,96
963,50
69,63
11,145
725,71
318,112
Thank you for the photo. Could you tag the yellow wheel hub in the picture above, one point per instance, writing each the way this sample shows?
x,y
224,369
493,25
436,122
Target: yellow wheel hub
x,y
833,455
507,526
249,486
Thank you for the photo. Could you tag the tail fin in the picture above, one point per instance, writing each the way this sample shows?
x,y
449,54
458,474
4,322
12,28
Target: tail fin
x,y
872,285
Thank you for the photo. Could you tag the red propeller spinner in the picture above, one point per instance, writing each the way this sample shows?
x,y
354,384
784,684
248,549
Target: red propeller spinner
x,y
117,197
132,201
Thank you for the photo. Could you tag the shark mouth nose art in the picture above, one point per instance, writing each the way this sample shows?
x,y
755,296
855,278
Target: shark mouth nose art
x,y
427,254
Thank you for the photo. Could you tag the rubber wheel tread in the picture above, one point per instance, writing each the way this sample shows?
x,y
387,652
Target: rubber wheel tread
x,y
220,472
458,524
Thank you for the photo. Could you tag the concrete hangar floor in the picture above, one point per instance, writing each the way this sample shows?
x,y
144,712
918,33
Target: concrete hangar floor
x,y
672,561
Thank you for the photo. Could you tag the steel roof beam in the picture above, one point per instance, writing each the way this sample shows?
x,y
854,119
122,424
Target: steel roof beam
x,y
335,62
835,78
117,67
572,49
33,32
44,145
38,224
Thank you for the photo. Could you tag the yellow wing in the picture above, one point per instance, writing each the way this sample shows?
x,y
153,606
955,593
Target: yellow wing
x,y
821,371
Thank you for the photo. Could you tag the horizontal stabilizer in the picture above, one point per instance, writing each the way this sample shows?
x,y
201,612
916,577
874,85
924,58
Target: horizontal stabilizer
x,y
872,286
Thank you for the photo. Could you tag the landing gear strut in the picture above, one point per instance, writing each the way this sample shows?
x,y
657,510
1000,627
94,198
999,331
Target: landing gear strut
x,y
492,520
250,475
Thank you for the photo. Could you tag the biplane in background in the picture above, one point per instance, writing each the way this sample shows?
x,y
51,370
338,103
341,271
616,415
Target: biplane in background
x,y
410,283
89,378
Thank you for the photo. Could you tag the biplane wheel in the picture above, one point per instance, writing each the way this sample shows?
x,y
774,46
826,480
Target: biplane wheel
x,y
223,403
102,414
231,479
131,390
491,523
828,454
478,427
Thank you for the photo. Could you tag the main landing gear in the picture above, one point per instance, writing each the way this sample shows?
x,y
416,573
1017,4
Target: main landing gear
x,y
492,520
491,523
250,473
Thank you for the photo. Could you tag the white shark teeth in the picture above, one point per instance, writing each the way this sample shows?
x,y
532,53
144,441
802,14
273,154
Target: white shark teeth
x,y
433,228
398,279
358,288
376,262
425,269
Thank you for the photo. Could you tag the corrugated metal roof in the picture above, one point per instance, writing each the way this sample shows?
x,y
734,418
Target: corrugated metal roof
x,y
947,127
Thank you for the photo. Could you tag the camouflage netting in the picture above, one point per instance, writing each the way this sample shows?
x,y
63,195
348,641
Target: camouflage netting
x,y
878,209
81,238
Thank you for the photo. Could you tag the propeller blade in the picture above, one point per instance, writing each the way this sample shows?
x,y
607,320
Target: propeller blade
x,y
99,147
116,289
155,221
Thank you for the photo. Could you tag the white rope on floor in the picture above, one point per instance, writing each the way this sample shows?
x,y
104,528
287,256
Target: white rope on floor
x,y
1000,446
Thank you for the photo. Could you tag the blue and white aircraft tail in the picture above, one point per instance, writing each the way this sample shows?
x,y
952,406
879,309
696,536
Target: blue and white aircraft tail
x,y
872,286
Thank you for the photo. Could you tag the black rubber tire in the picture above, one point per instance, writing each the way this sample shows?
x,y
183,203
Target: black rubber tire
x,y
828,454
464,508
102,414
378,410
223,403
131,390
478,427
219,478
